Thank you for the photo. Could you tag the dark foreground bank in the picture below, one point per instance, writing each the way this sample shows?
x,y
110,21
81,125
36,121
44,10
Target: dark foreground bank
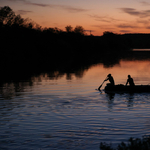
x,y
132,144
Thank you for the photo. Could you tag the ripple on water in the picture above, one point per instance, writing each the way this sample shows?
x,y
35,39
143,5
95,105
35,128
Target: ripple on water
x,y
71,120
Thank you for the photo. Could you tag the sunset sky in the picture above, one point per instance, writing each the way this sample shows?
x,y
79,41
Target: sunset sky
x,y
118,16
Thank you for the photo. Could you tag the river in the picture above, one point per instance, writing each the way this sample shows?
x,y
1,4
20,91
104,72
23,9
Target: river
x,y
65,111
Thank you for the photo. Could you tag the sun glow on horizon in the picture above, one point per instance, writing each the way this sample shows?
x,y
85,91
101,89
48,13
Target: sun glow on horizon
x,y
116,16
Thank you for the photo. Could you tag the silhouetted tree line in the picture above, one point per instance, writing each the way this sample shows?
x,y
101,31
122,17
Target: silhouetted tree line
x,y
27,48
139,40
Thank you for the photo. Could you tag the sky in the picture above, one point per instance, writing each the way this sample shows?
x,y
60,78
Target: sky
x,y
97,16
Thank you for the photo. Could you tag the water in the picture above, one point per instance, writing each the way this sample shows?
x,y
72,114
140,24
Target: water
x,y
66,112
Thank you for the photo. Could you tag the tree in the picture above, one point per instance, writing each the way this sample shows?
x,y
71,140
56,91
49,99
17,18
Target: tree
x,y
79,29
107,33
51,30
18,21
6,15
69,28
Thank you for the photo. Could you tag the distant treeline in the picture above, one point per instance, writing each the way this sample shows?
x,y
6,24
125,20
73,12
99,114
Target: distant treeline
x,y
27,47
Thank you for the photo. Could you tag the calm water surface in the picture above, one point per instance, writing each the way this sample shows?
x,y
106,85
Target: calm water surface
x,y
66,112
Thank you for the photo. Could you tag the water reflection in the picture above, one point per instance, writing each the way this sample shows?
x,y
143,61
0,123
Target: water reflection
x,y
93,76
11,90
63,110
124,98
110,100
110,96
130,98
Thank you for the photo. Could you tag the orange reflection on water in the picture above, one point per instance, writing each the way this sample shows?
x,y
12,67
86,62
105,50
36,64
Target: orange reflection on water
x,y
139,71
89,79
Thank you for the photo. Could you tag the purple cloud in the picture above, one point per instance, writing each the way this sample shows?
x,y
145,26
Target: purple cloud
x,y
148,27
145,3
23,12
126,26
106,19
125,31
134,12
38,4
147,21
73,9
65,7
17,0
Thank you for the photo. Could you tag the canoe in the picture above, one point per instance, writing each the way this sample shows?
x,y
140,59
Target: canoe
x,y
130,89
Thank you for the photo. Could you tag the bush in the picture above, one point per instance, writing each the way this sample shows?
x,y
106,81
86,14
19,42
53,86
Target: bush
x,y
132,144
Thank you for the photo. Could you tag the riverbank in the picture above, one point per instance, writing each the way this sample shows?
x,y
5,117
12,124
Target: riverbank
x,y
132,144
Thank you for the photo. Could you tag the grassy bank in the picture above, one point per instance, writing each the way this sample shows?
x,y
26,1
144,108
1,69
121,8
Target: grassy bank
x,y
132,144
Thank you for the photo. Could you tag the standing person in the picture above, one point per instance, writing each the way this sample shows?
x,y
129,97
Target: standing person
x,y
111,80
130,81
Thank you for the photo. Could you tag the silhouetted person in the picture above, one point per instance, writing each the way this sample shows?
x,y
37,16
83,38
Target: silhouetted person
x,y
130,81
111,80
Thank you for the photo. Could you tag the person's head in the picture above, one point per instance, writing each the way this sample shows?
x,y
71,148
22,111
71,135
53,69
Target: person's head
x,y
129,76
109,75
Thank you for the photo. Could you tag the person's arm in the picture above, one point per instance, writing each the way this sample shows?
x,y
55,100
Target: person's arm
x,y
106,79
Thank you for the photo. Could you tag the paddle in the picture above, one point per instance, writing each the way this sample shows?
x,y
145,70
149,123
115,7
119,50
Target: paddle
x,y
101,85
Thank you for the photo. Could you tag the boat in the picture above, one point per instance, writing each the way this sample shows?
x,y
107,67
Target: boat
x,y
127,89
